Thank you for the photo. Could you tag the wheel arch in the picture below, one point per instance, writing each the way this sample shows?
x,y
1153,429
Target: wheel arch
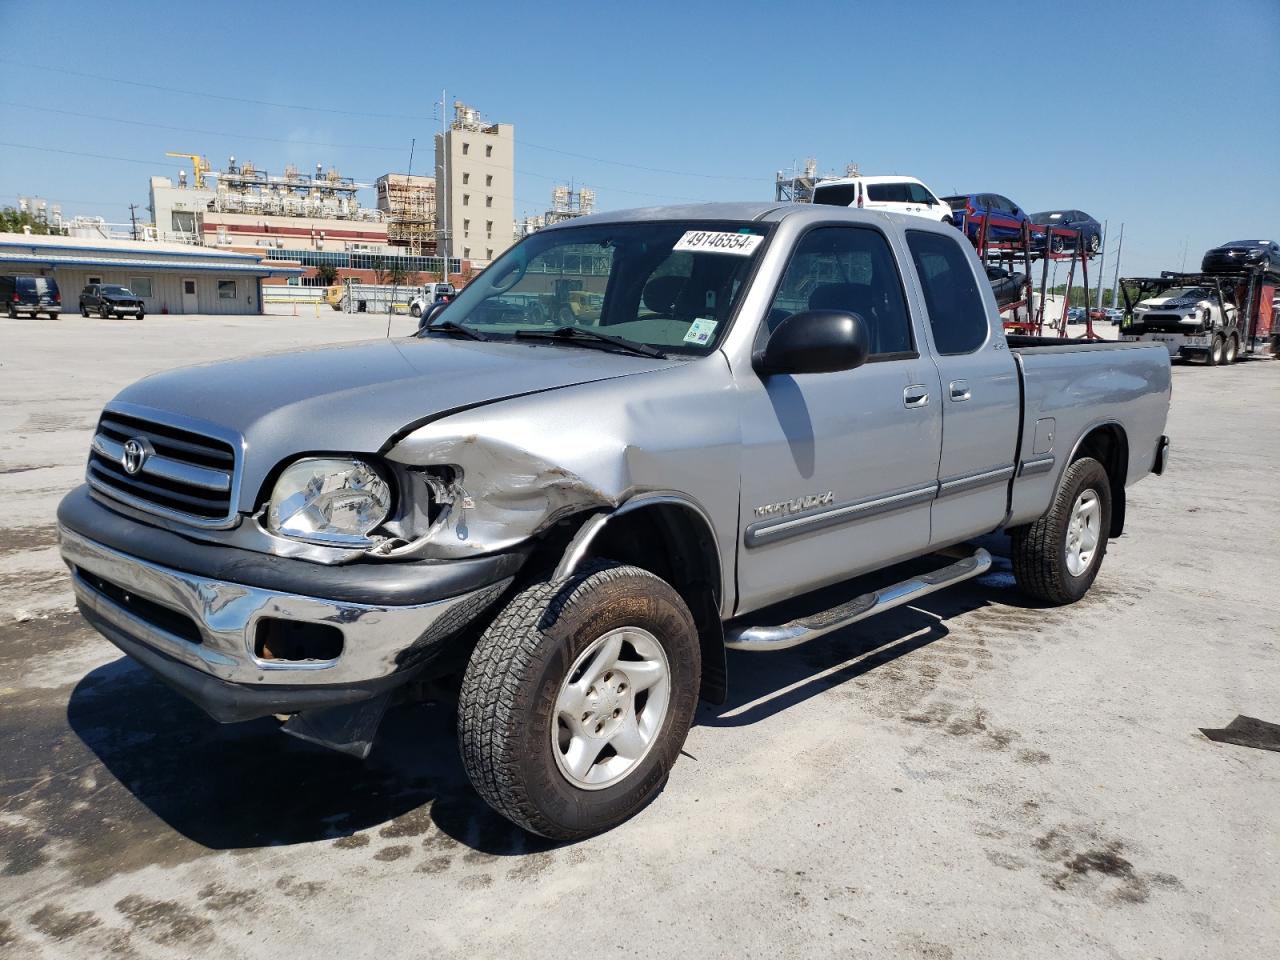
x,y
673,538
1108,444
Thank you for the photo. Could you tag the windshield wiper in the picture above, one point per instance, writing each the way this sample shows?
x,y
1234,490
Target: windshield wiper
x,y
570,333
452,326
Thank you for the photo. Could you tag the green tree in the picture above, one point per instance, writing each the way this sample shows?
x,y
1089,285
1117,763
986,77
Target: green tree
x,y
12,221
327,274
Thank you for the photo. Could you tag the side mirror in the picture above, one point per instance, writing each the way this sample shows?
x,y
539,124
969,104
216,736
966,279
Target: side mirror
x,y
432,312
815,341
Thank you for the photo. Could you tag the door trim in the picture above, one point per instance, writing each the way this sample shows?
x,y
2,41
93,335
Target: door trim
x,y
972,481
766,532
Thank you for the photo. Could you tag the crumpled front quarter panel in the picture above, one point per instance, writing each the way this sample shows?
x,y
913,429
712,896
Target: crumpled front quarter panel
x,y
530,461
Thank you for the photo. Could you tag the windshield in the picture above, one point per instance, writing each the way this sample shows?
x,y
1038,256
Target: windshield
x,y
1245,243
1183,293
669,284
117,291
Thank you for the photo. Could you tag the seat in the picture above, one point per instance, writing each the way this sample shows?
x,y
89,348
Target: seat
x,y
660,295
851,297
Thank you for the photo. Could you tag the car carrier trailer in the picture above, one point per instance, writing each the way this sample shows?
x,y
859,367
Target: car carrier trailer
x,y
1245,318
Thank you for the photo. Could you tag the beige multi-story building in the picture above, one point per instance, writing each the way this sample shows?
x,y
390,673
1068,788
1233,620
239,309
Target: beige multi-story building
x,y
475,185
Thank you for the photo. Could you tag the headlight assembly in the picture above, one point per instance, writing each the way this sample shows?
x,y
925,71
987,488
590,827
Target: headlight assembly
x,y
334,502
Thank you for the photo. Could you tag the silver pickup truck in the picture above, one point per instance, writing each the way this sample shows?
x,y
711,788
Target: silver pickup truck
x,y
607,461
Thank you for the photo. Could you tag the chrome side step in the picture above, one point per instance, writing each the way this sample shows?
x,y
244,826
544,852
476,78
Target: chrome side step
x,y
804,629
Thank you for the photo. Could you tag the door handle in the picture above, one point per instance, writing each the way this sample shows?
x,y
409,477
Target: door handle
x,y
960,390
916,395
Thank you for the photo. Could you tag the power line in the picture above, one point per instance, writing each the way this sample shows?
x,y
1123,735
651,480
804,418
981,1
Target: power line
x,y
210,133
364,113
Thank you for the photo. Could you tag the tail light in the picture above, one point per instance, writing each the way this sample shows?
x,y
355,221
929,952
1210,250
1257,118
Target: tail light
x,y
57,297
859,196
15,297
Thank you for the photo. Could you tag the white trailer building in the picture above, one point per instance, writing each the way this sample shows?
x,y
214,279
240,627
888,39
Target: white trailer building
x,y
169,277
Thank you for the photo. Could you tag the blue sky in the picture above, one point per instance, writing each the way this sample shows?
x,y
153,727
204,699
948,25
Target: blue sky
x,y
1159,113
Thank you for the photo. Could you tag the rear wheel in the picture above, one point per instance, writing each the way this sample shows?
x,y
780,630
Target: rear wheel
x,y
1056,559
1095,243
577,700
1216,349
1232,350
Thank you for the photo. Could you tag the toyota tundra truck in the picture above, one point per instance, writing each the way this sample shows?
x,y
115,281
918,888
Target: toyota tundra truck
x,y
565,525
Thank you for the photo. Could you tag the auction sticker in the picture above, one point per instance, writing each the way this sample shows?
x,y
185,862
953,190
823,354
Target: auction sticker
x,y
711,241
700,331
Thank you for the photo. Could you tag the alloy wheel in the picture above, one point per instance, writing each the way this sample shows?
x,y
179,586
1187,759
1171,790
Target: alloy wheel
x,y
611,707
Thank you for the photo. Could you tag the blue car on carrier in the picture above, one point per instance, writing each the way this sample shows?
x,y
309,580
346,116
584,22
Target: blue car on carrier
x,y
1004,218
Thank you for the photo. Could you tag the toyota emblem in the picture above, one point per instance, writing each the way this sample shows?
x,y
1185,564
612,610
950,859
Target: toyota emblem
x,y
134,456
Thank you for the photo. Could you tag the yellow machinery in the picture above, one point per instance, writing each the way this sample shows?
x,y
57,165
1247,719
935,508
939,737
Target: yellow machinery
x,y
199,167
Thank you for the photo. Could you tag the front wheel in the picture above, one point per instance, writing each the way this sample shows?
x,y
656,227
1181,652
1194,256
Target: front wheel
x,y
578,698
1056,559
141,313
104,312
415,310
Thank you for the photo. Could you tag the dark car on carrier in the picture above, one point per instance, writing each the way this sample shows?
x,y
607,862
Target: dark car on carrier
x,y
1077,221
1239,254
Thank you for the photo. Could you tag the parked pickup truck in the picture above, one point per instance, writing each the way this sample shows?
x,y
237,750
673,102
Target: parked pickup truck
x,y
575,521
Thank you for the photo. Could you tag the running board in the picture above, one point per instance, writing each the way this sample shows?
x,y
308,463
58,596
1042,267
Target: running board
x,y
804,629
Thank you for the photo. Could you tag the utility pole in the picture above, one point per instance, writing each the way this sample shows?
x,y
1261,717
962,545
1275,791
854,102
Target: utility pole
x,y
442,206
133,221
1115,280
1102,262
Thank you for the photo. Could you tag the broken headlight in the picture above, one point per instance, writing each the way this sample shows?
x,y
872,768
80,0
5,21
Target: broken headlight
x,y
329,501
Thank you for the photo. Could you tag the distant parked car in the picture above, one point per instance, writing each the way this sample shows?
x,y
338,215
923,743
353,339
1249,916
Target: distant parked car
x,y
1008,287
31,295
1004,218
107,299
888,194
1071,220
1232,256
1114,315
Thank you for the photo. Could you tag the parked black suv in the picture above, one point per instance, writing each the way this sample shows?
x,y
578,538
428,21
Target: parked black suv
x,y
33,295
106,299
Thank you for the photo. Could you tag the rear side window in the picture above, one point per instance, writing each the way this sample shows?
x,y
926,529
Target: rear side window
x,y
889,192
847,268
836,195
956,311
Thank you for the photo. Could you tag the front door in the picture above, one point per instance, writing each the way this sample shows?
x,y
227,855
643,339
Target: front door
x,y
838,469
190,299
980,400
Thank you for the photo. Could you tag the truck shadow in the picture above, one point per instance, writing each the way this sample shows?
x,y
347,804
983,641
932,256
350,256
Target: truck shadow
x,y
248,785
762,684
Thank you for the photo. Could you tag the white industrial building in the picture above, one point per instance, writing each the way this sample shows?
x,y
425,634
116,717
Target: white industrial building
x,y
169,277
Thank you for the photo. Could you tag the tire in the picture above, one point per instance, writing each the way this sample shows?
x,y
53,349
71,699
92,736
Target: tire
x,y
415,311
84,311
141,314
1231,350
1042,552
1095,243
13,314
512,732
103,312
1057,245
1213,356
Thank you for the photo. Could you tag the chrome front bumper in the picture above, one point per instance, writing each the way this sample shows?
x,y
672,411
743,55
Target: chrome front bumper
x,y
378,641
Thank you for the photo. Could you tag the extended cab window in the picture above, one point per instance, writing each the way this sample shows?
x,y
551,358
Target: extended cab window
x,y
957,313
852,269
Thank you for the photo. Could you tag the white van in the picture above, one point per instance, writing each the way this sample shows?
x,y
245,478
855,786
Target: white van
x,y
890,194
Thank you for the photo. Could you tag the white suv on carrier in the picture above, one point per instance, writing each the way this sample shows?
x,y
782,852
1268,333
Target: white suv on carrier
x,y
890,194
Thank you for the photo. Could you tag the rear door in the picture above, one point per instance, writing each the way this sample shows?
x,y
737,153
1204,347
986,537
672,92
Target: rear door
x,y
980,397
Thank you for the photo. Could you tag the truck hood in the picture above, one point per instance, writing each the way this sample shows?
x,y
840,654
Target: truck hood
x,y
356,397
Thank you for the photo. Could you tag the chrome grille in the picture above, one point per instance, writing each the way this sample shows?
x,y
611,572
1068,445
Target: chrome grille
x,y
184,474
